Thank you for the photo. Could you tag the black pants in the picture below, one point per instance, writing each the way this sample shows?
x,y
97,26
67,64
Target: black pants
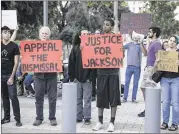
x,y
94,88
10,91
40,86
108,91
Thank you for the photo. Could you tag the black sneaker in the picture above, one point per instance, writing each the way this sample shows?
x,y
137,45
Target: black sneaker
x,y
37,122
53,122
78,121
142,114
3,121
18,124
87,122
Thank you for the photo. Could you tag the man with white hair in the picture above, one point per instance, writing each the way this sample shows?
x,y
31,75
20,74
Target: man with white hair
x,y
42,82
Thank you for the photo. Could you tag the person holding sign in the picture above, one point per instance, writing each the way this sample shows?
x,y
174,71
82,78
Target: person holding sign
x,y
13,37
133,67
154,45
83,78
170,91
107,87
9,63
43,81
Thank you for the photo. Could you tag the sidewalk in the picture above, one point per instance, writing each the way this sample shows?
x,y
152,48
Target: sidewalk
x,y
126,121
126,118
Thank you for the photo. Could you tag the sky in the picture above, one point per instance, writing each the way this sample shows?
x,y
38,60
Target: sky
x,y
177,12
135,5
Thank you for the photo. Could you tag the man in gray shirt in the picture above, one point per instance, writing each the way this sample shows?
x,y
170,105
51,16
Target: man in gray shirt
x,y
134,56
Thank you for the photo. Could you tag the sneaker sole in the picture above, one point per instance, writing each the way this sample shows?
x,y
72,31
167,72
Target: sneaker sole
x,y
110,131
87,123
19,125
96,129
37,124
53,124
5,122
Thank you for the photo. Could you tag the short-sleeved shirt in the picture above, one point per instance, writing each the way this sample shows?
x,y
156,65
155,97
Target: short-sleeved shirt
x,y
8,52
134,54
154,47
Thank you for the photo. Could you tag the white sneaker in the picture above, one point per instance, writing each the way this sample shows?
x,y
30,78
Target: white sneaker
x,y
110,127
98,126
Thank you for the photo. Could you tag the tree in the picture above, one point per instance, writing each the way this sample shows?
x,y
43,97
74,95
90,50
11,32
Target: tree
x,y
29,17
163,16
91,14
71,14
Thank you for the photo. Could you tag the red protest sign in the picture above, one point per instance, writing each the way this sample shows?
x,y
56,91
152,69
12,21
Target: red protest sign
x,y
102,51
41,56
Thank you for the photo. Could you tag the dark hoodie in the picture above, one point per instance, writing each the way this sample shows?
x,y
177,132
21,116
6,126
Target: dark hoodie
x,y
75,67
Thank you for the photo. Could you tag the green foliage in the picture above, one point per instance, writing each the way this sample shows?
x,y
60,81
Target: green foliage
x,y
163,16
71,14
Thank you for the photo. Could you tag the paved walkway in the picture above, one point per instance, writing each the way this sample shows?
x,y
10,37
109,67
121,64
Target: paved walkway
x,y
126,118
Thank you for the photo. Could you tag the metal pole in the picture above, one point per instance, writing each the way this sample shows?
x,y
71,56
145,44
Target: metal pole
x,y
45,12
152,110
116,30
69,107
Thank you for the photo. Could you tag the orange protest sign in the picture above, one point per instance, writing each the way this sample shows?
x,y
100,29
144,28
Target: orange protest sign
x,y
41,56
102,51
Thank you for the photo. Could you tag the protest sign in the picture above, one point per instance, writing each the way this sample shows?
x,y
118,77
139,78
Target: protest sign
x,y
167,61
102,51
41,56
139,23
9,18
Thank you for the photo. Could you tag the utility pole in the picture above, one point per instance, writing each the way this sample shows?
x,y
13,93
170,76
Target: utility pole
x,y
45,12
116,30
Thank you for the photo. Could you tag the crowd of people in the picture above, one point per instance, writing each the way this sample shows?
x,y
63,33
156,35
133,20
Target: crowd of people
x,y
101,85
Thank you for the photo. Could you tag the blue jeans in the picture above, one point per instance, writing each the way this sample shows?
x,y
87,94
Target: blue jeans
x,y
129,72
84,91
170,95
27,82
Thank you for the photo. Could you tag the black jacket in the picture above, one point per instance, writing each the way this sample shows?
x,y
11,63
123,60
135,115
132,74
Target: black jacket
x,y
75,67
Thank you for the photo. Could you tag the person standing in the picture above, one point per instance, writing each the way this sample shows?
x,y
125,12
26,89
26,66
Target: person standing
x,y
134,57
9,63
154,45
170,91
45,82
107,87
83,78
